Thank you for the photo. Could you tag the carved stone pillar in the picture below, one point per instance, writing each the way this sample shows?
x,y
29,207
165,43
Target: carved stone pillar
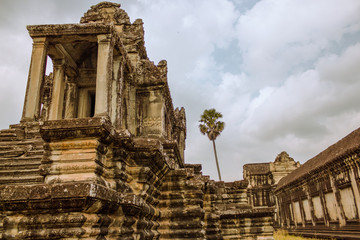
x,y
325,210
311,205
293,213
355,188
302,212
57,97
103,74
36,76
339,208
70,99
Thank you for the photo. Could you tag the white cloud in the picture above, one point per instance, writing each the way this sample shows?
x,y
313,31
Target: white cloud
x,y
277,36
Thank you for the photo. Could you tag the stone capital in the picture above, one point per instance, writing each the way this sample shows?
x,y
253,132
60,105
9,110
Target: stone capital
x,y
58,62
40,42
104,38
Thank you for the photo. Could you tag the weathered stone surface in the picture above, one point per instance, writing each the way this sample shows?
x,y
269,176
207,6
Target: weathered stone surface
x,y
263,177
322,198
99,151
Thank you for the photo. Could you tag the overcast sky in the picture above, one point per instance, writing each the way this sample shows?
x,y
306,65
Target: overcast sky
x,y
285,74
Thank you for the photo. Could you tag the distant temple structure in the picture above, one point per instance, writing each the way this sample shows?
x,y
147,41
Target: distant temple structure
x,y
322,197
99,154
263,178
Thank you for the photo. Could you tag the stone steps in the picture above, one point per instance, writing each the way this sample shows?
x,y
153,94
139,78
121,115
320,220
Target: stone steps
x,y
31,162
21,180
8,135
10,173
181,204
19,158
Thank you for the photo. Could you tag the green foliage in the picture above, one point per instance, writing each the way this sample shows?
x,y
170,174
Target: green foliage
x,y
210,125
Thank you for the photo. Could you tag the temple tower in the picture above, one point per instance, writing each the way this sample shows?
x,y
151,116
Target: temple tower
x,y
96,137
100,69
99,150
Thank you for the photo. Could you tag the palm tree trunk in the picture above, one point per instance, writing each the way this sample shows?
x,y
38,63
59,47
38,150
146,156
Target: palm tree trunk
x,y
217,163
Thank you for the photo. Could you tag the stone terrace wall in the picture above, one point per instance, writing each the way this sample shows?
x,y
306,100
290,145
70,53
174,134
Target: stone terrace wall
x,y
128,192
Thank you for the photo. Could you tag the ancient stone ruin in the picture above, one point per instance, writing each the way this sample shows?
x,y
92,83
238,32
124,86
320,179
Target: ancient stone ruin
x,y
262,179
99,151
322,198
99,154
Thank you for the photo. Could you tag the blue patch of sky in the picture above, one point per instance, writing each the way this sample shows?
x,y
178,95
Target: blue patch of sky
x,y
229,58
334,47
244,5
348,39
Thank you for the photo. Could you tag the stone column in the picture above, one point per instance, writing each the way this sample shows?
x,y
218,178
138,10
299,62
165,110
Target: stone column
x,y
288,213
311,205
115,89
293,213
324,208
302,212
103,74
355,188
57,97
339,208
70,99
278,218
35,78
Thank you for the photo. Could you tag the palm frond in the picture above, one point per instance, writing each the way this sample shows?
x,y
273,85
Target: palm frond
x,y
210,124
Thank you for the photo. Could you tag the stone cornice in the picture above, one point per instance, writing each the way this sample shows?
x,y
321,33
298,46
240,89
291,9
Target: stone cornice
x,y
77,195
77,128
68,29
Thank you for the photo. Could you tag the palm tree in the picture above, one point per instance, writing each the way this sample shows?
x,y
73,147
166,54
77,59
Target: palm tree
x,y
210,126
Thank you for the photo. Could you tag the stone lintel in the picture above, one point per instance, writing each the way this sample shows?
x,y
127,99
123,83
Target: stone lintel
x,y
97,127
69,29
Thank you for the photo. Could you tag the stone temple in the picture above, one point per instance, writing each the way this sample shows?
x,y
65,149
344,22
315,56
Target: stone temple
x,y
99,154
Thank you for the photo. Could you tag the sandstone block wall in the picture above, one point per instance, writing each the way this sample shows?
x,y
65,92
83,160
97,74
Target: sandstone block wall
x,y
99,151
